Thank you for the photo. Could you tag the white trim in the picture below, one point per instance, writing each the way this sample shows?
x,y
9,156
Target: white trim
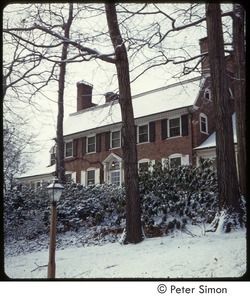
x,y
84,176
151,163
184,158
107,170
73,175
207,91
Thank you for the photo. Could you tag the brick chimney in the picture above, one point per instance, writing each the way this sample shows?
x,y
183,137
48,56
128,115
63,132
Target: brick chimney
x,y
84,95
204,49
110,96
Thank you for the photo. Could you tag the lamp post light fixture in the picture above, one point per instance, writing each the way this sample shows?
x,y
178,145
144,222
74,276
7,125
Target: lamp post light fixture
x,y
54,191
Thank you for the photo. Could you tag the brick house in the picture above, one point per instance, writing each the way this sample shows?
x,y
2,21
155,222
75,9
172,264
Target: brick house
x,y
171,122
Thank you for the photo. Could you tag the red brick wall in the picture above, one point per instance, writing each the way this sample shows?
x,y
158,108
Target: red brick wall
x,y
153,151
164,148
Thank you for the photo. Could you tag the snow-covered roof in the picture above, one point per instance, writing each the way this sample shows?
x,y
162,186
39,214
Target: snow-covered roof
x,y
172,97
39,171
210,142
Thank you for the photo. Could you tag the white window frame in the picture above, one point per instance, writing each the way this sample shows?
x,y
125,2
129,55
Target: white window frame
x,y
146,160
84,176
73,175
87,144
111,139
184,158
72,150
114,172
179,127
88,178
202,115
207,92
138,133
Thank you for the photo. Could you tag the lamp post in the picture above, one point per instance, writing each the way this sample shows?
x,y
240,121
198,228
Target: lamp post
x,y
55,191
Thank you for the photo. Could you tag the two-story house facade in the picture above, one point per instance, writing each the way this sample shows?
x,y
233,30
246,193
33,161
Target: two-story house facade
x,y
170,123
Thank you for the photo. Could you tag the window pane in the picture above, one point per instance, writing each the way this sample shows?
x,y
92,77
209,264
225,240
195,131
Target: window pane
x,y
68,149
68,177
91,177
116,141
175,162
203,124
115,177
143,134
91,144
174,127
52,159
143,166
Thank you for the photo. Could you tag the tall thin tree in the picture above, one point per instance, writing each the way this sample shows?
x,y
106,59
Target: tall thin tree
x,y
133,208
61,86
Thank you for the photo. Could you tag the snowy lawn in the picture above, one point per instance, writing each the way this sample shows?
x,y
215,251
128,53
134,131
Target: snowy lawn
x,y
180,256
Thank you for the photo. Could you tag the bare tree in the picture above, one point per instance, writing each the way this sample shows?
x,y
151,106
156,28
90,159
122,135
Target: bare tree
x,y
229,195
133,208
61,86
17,145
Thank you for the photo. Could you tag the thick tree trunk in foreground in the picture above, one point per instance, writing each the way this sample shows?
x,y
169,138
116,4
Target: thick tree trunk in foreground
x,y
240,90
133,207
229,195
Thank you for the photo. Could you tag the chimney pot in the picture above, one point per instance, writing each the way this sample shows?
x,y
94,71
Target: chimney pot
x,y
111,96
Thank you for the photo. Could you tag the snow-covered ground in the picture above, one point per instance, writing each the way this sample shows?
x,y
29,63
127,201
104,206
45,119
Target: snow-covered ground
x,y
179,255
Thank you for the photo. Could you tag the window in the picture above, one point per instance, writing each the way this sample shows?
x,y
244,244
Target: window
x,y
69,149
91,177
53,156
203,123
175,162
143,133
91,144
207,94
52,159
143,166
116,139
174,127
68,177
115,177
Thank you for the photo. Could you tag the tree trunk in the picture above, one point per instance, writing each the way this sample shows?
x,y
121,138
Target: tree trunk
x,y
133,207
60,166
229,195
240,91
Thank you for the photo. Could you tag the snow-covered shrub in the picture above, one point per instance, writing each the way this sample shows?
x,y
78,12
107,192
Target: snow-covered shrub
x,y
27,211
172,196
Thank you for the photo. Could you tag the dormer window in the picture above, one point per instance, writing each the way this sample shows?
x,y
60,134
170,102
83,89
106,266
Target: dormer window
x,y
207,94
